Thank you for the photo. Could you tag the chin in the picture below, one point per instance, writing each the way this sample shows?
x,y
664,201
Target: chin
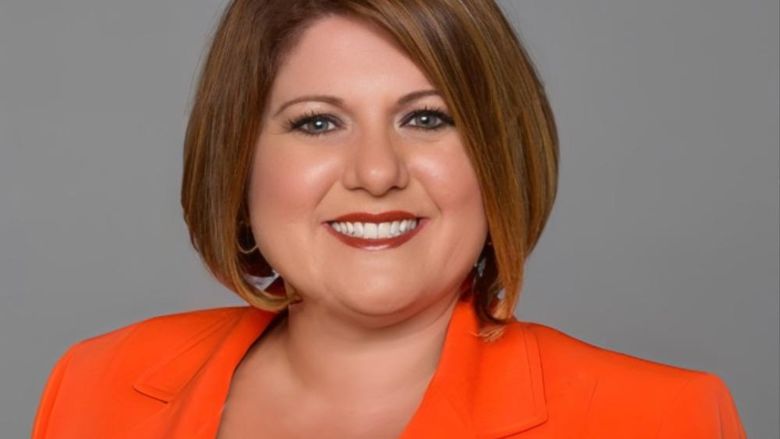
x,y
380,300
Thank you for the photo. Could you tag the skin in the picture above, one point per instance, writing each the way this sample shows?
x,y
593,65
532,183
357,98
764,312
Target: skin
x,y
353,359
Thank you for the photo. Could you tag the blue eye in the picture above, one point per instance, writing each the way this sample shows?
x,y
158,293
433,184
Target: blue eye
x,y
311,124
430,119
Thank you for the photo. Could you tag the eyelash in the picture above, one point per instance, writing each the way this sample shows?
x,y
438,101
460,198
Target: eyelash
x,y
298,123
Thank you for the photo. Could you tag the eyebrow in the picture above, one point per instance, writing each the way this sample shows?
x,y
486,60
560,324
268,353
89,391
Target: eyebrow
x,y
333,100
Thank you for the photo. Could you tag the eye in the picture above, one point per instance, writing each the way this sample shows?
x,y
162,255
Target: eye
x,y
430,119
312,124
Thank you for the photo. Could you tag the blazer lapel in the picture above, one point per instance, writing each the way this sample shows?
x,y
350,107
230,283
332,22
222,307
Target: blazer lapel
x,y
482,390
193,382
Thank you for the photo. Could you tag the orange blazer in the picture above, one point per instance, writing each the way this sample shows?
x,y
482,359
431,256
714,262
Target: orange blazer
x,y
168,377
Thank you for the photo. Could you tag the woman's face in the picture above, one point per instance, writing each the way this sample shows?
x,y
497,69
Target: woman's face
x,y
347,136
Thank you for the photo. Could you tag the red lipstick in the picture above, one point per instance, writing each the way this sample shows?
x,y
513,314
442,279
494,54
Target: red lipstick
x,y
384,217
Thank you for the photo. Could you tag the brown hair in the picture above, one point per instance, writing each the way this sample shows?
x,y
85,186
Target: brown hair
x,y
469,52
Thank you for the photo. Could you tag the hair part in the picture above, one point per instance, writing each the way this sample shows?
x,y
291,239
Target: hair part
x,y
469,52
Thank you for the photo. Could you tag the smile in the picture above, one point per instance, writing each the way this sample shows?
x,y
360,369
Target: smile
x,y
376,231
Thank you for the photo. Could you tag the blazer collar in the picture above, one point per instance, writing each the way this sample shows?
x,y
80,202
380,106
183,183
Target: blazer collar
x,y
479,389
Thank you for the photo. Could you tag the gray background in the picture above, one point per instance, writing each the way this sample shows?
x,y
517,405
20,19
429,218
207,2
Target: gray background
x,y
663,243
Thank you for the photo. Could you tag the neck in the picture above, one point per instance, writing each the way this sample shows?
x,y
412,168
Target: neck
x,y
346,360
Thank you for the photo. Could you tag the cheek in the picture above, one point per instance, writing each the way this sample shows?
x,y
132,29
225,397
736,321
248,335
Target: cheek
x,y
287,182
451,181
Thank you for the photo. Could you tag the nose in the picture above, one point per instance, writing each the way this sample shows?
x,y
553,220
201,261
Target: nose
x,y
376,164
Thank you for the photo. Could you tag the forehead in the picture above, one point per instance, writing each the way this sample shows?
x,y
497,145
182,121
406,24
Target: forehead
x,y
347,56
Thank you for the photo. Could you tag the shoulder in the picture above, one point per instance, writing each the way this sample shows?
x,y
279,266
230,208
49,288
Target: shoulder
x,y
564,352
149,338
619,387
130,349
90,386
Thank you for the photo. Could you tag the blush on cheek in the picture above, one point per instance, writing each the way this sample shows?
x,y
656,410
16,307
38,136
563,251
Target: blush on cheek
x,y
452,176
289,179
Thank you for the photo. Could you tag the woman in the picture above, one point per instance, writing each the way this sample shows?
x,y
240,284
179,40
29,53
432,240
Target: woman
x,y
369,175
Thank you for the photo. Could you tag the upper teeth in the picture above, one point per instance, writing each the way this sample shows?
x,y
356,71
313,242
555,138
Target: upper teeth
x,y
375,230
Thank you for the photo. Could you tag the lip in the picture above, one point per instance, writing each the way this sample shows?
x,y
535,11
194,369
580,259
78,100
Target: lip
x,y
383,217
376,244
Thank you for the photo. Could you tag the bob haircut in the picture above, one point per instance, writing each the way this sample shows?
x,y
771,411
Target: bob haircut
x,y
468,51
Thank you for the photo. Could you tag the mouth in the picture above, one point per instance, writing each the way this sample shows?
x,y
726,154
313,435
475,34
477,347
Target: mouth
x,y
376,231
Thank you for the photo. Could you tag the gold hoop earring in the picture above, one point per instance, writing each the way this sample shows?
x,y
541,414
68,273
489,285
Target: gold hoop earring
x,y
238,241
245,251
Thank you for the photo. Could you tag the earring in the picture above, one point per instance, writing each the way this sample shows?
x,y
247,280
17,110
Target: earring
x,y
480,264
241,224
480,267
245,251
